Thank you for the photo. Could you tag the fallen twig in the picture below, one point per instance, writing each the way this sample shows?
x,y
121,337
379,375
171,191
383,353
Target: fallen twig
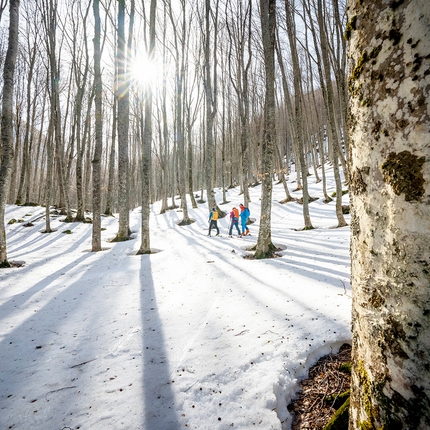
x,y
84,362
56,391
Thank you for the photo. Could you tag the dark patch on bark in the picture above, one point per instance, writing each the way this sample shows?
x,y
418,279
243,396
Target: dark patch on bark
x,y
350,27
396,3
403,171
357,184
395,36
376,300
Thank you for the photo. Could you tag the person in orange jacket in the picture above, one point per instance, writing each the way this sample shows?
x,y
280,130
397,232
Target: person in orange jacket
x,y
213,221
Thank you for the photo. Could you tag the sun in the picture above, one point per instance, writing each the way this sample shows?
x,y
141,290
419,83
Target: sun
x,y
145,72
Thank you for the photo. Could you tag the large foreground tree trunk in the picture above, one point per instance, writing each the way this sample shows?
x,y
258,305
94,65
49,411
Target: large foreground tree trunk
x,y
7,122
389,133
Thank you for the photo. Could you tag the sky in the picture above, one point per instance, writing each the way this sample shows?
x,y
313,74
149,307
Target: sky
x,y
192,336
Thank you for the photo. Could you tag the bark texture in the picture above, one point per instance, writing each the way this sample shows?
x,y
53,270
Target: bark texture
x,y
389,83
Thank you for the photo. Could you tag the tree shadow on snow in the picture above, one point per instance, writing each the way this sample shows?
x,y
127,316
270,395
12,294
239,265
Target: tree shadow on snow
x,y
159,401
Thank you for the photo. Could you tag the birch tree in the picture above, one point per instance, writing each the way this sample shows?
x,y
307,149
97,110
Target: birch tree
x,y
389,129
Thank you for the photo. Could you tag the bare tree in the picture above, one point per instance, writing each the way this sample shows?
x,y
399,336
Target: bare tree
x,y
210,85
265,247
96,162
145,246
389,60
239,30
123,104
7,122
31,53
332,130
49,9
299,114
180,39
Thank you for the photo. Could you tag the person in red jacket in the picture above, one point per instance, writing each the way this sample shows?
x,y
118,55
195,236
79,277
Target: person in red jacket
x,y
234,222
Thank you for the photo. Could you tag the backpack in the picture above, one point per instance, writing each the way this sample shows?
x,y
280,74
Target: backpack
x,y
214,215
236,213
246,212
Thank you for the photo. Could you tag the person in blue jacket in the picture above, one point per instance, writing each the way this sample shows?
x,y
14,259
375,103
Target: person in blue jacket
x,y
244,215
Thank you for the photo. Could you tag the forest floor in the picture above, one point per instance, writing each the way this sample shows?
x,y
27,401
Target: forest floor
x,y
326,380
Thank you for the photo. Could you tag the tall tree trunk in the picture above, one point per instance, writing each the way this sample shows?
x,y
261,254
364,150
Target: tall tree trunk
x,y
179,43
123,103
145,246
332,131
390,189
96,162
240,33
81,83
298,113
111,164
265,247
211,103
49,174
24,181
7,122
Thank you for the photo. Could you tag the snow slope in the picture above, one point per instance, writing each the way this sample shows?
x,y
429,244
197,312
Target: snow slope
x,y
191,336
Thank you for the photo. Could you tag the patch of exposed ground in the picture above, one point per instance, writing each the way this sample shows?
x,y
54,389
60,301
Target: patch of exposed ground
x,y
317,401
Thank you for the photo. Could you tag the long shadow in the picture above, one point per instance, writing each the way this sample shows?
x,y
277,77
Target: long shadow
x,y
46,239
36,347
158,396
15,302
330,279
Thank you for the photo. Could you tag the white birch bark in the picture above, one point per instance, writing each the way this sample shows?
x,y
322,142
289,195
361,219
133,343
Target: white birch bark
x,y
389,129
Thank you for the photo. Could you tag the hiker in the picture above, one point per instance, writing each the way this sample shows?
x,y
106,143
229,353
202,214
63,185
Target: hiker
x,y
244,215
213,221
234,221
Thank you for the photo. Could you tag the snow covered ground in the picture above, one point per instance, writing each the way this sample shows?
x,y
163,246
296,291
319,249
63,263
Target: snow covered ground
x,y
192,336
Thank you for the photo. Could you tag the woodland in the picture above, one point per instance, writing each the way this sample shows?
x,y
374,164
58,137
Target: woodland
x,y
112,105
170,99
